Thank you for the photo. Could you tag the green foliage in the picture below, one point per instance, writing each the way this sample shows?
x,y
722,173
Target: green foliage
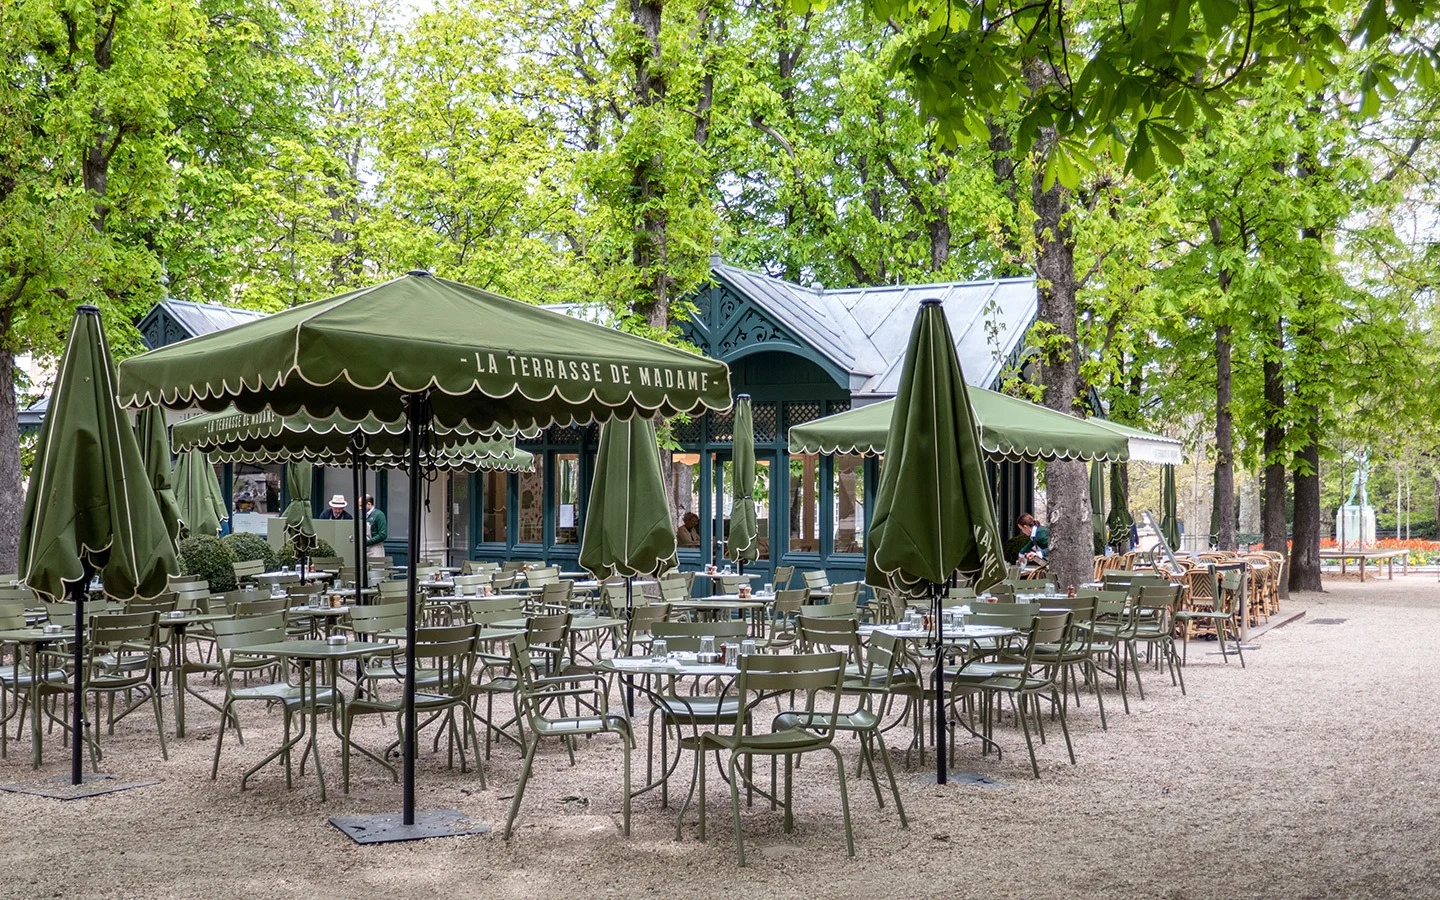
x,y
248,546
211,559
286,556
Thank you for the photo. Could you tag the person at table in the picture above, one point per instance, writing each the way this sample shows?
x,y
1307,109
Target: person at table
x,y
376,527
337,509
1038,546
688,534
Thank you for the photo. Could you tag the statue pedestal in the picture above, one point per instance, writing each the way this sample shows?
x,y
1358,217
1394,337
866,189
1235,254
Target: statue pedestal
x,y
1355,526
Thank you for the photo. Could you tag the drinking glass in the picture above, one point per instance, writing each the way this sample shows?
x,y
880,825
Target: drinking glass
x,y
659,649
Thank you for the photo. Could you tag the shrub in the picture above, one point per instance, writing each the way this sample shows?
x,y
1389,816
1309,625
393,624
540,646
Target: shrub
x,y
247,547
210,558
286,556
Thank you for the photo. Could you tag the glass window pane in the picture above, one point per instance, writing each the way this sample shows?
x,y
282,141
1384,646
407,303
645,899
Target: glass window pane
x,y
805,503
685,491
458,513
849,504
257,489
495,518
397,495
762,505
532,509
567,498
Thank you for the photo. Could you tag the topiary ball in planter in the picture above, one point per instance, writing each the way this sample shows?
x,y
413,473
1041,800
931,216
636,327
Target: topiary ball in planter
x,y
286,556
248,547
208,557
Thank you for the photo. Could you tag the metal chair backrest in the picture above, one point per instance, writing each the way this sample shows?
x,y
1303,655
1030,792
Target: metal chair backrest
x,y
687,635
162,604
471,584
172,581
673,590
484,611
817,580
250,609
842,610
782,577
830,634
193,599
123,636
730,584
643,620
12,615
18,594
247,569
558,593
327,563
764,676
548,635
233,637
542,577
447,654
377,618
389,590
845,592
1002,617
504,582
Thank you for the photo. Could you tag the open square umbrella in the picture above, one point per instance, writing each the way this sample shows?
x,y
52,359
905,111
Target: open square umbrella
x,y
438,354
89,506
933,511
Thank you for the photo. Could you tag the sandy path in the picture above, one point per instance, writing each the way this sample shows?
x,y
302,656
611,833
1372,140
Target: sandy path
x,y
1309,774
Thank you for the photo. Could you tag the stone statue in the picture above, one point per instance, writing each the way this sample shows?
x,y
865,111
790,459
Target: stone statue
x,y
1357,482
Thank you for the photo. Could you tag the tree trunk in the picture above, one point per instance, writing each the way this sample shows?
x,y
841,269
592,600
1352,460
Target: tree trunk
x,y
1067,482
12,498
646,179
1305,552
1224,443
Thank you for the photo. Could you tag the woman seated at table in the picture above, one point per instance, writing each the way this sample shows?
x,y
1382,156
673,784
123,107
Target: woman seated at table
x,y
1038,546
688,534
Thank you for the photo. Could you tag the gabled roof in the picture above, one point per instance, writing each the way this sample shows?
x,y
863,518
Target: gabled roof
x,y
192,320
863,331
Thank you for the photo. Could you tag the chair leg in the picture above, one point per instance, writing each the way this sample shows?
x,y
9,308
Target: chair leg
x,y
1094,677
625,799
1065,730
159,724
1029,745
520,788
890,772
844,803
219,740
735,808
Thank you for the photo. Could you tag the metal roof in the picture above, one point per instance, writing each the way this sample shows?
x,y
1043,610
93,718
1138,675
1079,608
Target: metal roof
x,y
864,330
205,318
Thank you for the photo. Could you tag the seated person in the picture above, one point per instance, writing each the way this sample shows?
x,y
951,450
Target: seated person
x,y
337,508
688,534
1039,544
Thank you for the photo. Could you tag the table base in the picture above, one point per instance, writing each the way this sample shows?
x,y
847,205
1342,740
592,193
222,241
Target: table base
x,y
60,788
388,828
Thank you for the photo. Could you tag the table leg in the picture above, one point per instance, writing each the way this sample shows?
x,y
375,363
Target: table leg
x,y
37,736
177,661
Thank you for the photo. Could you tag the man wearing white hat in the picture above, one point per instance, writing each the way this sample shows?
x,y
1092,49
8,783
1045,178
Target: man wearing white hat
x,y
337,509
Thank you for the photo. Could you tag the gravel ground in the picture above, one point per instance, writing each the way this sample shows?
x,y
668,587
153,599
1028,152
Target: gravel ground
x,y
1309,774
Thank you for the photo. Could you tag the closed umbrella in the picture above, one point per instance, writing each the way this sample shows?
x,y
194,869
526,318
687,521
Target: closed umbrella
x,y
933,514
1169,514
1120,520
627,521
744,530
202,506
154,439
440,355
89,506
299,529
1097,503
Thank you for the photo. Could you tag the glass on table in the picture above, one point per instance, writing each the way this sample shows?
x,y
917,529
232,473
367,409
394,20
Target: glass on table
x,y
659,650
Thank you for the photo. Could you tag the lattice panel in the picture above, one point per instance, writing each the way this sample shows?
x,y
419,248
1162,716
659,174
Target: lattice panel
x,y
838,406
567,435
798,413
722,425
765,415
690,432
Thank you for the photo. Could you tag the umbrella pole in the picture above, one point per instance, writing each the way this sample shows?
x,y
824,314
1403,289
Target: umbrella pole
x,y
936,604
359,487
629,633
415,413
77,713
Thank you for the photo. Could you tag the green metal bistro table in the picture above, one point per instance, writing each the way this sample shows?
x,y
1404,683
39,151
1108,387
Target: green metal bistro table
x,y
309,654
179,671
34,640
578,624
752,607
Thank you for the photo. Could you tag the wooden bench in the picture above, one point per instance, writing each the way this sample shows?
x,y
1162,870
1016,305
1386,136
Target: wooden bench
x,y
1386,557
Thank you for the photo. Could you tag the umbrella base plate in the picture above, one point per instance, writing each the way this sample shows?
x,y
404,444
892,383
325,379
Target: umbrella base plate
x,y
959,779
60,788
388,828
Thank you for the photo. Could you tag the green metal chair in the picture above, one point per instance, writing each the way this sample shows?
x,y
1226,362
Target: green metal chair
x,y
1153,610
444,668
539,695
763,678
237,664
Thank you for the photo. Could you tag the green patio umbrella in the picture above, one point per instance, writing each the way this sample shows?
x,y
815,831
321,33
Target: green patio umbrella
x,y
744,530
440,355
89,506
154,439
933,513
627,521
299,529
1010,428
197,490
1097,503
1119,520
1169,515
